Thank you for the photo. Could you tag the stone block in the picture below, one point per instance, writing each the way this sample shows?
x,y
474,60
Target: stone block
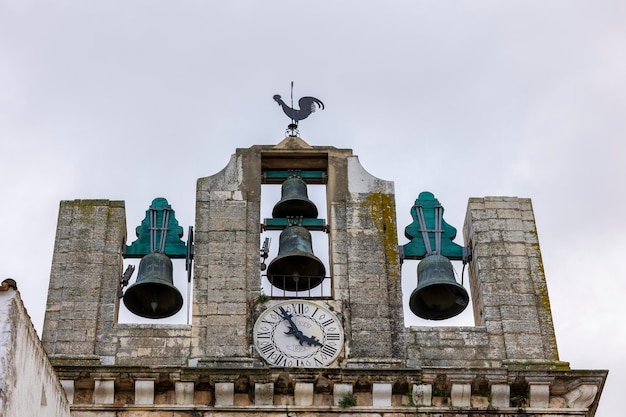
x,y
581,397
341,391
500,395
103,392
303,394
264,394
68,387
184,392
460,395
539,395
381,395
423,394
144,391
224,393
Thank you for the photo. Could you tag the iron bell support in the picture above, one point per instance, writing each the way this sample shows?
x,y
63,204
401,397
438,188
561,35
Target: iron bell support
x,y
154,295
438,295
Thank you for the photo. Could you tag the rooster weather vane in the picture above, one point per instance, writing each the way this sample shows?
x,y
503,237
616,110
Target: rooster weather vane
x,y
307,105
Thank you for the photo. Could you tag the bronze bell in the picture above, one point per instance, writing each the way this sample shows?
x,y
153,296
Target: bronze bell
x,y
294,201
295,268
153,295
438,296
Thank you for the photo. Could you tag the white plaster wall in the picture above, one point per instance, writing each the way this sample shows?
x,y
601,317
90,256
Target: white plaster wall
x,y
361,181
28,383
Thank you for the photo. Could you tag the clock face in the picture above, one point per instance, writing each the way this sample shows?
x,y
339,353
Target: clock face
x,y
298,333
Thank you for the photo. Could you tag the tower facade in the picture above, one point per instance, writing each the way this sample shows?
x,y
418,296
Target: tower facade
x,y
336,347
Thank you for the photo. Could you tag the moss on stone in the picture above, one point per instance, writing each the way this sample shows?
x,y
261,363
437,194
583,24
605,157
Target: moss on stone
x,y
381,208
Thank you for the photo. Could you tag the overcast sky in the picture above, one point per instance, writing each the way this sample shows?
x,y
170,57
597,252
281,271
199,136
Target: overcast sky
x,y
136,100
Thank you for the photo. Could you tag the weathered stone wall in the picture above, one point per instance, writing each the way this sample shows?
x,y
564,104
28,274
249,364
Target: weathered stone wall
x,y
86,266
151,344
365,263
227,274
506,275
28,383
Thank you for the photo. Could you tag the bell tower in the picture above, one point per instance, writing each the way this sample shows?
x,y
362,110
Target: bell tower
x,y
228,222
306,332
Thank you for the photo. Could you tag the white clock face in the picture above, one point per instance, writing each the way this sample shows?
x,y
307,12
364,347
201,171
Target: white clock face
x,y
298,333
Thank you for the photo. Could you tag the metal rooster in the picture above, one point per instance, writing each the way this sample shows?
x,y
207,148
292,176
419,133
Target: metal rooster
x,y
307,106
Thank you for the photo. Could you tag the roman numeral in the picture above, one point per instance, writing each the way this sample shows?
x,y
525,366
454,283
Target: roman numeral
x,y
281,360
332,336
327,322
329,350
267,349
263,335
298,308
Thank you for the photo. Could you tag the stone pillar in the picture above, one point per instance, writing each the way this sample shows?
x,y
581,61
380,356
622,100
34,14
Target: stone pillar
x,y
341,391
226,274
68,387
303,394
104,391
381,395
422,394
460,395
506,275
84,280
224,393
264,394
500,395
365,262
144,391
539,395
184,392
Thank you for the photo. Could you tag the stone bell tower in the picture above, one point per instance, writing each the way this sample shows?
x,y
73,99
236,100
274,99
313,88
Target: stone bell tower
x,y
318,343
227,251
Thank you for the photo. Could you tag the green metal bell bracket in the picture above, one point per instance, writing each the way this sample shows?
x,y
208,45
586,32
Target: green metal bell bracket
x,y
429,233
310,177
283,223
159,232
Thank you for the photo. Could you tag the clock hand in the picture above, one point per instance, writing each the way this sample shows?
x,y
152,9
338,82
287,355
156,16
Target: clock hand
x,y
293,329
311,341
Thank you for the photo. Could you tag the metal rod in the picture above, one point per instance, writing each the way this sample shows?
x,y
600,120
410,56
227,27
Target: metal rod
x,y
152,229
164,229
423,229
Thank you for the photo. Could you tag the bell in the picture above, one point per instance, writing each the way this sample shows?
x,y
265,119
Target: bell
x,y
438,296
294,201
153,295
295,268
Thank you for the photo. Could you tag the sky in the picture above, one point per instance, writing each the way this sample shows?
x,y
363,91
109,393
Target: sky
x,y
136,100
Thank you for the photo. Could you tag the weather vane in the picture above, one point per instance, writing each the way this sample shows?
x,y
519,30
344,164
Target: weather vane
x,y
307,106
